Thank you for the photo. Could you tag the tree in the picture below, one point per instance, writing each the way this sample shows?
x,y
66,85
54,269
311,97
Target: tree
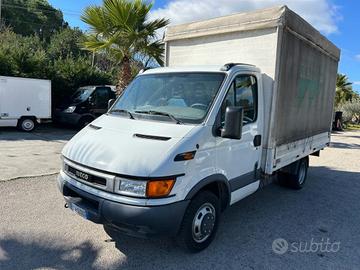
x,y
29,17
70,73
25,59
344,91
65,43
351,111
122,29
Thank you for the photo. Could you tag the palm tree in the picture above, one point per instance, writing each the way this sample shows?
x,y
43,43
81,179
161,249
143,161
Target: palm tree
x,y
122,29
344,91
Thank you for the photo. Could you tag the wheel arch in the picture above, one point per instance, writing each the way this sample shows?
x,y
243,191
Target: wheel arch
x,y
218,184
33,117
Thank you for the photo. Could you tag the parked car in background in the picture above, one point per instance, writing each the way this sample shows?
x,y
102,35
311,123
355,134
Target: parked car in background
x,y
24,102
86,104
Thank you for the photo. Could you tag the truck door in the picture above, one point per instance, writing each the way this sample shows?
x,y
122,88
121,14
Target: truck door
x,y
99,100
240,159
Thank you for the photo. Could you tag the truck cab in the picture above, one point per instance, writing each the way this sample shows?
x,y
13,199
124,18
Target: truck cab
x,y
86,104
138,168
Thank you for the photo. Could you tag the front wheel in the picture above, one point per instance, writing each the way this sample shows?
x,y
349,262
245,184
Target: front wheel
x,y
200,222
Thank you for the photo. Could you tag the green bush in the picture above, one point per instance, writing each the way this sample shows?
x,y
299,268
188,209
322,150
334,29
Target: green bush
x,y
61,61
22,56
351,112
7,65
69,74
65,43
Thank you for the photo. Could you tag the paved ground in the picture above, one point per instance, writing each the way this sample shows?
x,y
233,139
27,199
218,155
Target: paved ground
x,y
36,231
29,154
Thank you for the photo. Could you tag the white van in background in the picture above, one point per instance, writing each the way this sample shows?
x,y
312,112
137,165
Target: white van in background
x,y
24,102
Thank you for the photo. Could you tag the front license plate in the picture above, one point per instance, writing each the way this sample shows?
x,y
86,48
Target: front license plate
x,y
78,210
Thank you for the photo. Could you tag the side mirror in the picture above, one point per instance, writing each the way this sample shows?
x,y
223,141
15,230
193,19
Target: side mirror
x,y
91,100
110,103
233,123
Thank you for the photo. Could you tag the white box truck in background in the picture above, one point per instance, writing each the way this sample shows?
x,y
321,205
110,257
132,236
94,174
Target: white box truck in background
x,y
24,102
186,141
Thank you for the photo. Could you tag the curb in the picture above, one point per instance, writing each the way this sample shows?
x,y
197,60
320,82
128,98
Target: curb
x,y
28,176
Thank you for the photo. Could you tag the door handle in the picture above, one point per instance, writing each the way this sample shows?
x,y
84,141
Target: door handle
x,y
257,140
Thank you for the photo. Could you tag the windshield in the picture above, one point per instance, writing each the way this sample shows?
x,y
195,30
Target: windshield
x,y
81,94
185,97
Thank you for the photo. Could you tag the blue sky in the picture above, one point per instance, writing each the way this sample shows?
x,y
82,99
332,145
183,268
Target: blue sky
x,y
337,20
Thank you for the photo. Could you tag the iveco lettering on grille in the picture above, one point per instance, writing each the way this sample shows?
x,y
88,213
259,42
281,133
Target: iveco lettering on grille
x,y
82,175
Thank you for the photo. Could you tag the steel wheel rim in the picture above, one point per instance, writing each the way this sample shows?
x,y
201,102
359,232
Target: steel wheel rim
x,y
27,124
203,222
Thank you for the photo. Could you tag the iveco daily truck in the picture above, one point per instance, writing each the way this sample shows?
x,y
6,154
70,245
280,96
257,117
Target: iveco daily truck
x,y
186,141
24,102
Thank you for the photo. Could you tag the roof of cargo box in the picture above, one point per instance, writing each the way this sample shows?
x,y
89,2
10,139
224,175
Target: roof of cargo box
x,y
254,20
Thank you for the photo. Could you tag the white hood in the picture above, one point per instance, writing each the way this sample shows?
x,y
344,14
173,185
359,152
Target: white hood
x,y
114,146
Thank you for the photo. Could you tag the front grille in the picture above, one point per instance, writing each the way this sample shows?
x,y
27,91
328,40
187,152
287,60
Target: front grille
x,y
93,179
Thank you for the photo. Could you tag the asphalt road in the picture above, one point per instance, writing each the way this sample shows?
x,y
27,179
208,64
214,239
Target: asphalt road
x,y
31,154
37,232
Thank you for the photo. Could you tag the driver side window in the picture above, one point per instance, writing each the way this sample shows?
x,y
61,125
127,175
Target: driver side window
x,y
101,96
242,93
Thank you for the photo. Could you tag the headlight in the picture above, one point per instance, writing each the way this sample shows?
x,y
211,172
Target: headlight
x,y
140,188
131,187
71,109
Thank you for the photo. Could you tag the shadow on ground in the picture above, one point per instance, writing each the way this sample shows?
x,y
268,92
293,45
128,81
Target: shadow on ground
x,y
323,209
345,145
17,254
47,132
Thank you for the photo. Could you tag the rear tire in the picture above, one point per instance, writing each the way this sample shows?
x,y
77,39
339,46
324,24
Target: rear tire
x,y
27,124
200,222
295,175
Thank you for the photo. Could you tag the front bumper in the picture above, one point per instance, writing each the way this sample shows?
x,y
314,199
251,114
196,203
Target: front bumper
x,y
67,118
129,219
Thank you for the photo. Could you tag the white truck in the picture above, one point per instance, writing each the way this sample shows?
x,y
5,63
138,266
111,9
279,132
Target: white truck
x,y
186,141
24,102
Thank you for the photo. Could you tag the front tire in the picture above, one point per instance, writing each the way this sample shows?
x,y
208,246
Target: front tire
x,y
200,222
27,124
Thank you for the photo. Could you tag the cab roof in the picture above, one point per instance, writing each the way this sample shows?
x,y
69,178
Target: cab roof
x,y
213,68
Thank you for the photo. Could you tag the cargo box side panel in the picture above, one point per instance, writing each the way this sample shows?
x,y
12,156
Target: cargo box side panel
x,y
305,94
26,97
226,48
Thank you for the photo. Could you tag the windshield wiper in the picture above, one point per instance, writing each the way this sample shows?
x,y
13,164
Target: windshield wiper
x,y
123,111
178,121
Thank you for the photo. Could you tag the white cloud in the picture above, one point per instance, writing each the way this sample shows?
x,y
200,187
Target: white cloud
x,y
356,83
357,57
320,13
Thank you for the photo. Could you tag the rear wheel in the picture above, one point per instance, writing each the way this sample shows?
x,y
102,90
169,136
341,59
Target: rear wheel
x,y
27,124
295,174
200,222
